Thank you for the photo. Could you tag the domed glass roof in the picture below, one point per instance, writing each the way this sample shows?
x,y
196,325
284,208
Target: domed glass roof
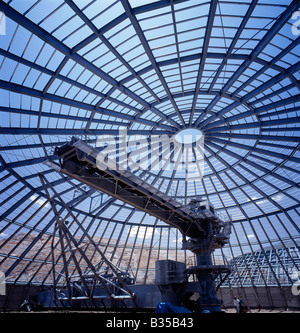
x,y
87,68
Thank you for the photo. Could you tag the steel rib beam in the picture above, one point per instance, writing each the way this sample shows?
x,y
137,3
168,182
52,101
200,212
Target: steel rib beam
x,y
81,105
208,30
258,49
150,55
48,38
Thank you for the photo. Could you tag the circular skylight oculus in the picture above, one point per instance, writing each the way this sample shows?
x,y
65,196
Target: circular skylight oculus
x,y
189,137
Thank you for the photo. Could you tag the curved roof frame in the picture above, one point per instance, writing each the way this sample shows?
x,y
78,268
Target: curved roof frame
x,y
67,69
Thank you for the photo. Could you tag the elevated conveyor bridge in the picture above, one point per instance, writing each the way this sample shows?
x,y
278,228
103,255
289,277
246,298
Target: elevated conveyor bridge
x,y
197,221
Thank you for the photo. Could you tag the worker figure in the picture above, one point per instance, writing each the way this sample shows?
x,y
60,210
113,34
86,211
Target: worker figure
x,y
236,303
243,307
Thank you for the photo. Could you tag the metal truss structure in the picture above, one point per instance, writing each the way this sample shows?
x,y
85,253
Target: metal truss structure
x,y
79,284
284,261
198,221
225,67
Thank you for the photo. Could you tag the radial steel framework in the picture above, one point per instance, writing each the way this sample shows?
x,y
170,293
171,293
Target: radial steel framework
x,y
87,68
71,282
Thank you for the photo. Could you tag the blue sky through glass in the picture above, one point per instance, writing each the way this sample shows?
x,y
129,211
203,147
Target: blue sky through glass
x,y
227,68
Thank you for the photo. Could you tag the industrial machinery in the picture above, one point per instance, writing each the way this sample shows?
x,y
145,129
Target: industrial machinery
x,y
203,231
78,278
